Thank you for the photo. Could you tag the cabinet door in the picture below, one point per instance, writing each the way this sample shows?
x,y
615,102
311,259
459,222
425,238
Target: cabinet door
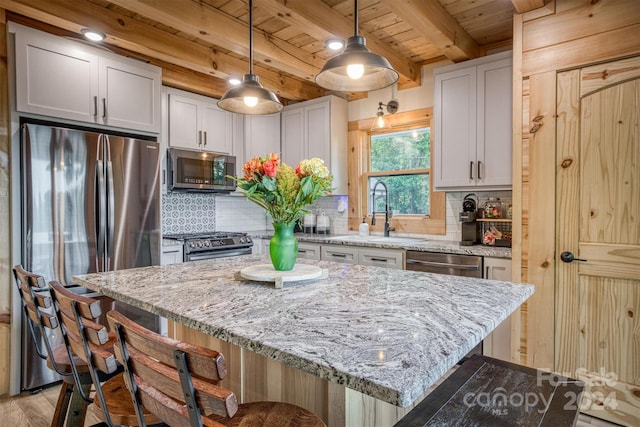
x,y
494,133
293,136
55,78
339,253
455,129
129,95
381,257
184,122
498,343
318,128
308,250
262,135
217,128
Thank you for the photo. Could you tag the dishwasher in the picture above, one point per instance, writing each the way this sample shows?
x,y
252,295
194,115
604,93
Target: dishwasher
x,y
451,264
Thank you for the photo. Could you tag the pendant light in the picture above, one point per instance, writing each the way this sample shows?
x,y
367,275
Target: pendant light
x,y
249,97
356,69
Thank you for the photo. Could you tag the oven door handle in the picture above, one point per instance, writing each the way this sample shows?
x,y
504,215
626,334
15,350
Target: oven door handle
x,y
217,254
444,265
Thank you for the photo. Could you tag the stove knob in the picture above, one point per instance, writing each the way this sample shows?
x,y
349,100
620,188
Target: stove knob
x,y
207,243
200,244
243,240
192,245
249,239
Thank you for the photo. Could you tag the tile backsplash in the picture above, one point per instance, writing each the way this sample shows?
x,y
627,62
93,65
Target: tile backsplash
x,y
196,213
188,213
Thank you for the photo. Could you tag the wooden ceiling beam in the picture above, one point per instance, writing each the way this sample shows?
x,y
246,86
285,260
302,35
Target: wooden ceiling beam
x,y
134,36
430,19
522,6
318,14
209,24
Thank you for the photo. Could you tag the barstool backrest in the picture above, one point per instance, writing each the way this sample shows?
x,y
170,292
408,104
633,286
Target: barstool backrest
x,y
38,308
175,381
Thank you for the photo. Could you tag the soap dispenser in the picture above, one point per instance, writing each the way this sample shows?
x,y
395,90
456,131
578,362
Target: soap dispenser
x,y
363,229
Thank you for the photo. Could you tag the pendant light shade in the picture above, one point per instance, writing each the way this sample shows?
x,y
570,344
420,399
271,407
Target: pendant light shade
x,y
380,122
250,97
356,69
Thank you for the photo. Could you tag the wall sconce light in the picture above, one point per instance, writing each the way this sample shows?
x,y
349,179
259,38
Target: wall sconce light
x,y
380,122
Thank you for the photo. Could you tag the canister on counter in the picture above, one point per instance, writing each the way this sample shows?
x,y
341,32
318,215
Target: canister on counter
x,y
493,208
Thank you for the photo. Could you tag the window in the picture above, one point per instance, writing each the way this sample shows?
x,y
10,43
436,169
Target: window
x,y
401,161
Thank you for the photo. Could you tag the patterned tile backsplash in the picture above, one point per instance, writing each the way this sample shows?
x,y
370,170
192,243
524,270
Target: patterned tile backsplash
x,y
188,213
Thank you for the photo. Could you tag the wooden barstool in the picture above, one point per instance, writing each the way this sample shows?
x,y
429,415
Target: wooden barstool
x,y
179,383
93,344
40,314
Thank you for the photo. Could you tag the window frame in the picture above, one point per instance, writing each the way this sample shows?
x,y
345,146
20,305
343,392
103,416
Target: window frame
x,y
358,164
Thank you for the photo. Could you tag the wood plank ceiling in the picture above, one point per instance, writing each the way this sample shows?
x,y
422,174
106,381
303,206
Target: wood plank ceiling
x,y
201,43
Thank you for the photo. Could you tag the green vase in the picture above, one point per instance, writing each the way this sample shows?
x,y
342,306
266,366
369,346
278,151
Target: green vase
x,y
283,247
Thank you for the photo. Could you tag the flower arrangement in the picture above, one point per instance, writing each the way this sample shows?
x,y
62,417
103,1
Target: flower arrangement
x,y
282,191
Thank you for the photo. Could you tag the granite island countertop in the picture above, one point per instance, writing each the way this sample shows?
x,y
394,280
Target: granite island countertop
x,y
395,242
386,333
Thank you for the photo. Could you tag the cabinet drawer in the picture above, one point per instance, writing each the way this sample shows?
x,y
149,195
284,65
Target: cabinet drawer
x,y
339,254
381,258
308,251
171,254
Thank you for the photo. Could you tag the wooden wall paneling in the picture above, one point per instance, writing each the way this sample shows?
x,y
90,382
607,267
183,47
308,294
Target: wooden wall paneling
x,y
5,225
567,328
548,9
516,190
579,19
587,50
542,104
355,144
602,75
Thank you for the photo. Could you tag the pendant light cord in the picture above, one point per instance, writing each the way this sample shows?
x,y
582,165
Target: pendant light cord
x,y
250,36
355,18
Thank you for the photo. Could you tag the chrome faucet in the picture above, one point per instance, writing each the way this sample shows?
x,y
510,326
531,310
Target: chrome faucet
x,y
387,211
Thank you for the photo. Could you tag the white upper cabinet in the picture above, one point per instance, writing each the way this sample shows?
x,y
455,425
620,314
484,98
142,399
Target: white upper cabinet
x,y
65,79
261,135
318,128
196,122
473,114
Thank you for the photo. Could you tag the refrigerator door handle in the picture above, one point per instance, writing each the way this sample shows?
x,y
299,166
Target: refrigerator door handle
x,y
111,210
101,195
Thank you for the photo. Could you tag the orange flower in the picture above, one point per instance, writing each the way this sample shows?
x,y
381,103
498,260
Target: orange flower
x,y
270,168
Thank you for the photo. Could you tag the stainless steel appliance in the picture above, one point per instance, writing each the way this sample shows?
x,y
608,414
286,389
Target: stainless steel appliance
x,y
91,203
451,264
213,245
200,171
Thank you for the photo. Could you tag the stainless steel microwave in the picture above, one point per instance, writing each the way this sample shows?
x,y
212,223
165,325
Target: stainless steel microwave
x,y
200,171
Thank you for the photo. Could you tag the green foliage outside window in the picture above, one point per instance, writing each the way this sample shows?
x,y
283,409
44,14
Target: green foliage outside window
x,y
402,152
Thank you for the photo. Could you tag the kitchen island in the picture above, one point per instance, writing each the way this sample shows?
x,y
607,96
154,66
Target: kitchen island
x,y
362,339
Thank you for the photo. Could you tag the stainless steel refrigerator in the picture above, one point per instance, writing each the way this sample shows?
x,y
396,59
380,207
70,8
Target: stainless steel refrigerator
x,y
91,203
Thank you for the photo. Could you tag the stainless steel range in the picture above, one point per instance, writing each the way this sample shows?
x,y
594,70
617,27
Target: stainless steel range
x,y
213,245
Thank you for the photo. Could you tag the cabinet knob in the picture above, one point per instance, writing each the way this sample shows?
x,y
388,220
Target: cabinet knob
x,y
568,257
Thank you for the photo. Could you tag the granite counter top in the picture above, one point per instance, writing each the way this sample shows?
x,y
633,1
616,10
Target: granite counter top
x,y
387,333
406,243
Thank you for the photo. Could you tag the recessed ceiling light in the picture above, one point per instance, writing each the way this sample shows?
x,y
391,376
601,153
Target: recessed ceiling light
x,y
334,44
234,81
93,35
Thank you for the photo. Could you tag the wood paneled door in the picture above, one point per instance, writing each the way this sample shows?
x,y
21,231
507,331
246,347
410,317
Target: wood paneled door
x,y
597,331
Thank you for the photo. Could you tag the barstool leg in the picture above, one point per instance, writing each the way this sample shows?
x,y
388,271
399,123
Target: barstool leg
x,y
78,406
63,402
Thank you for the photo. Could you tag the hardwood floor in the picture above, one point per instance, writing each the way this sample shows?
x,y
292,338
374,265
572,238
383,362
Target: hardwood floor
x,y
36,410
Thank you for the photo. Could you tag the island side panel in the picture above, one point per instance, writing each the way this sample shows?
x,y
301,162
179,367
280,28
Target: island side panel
x,y
253,377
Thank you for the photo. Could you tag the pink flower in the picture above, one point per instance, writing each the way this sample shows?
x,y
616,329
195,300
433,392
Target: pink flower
x,y
270,168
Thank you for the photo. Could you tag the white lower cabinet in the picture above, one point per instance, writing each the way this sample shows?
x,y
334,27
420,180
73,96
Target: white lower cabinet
x,y
171,255
381,257
339,253
498,343
308,251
